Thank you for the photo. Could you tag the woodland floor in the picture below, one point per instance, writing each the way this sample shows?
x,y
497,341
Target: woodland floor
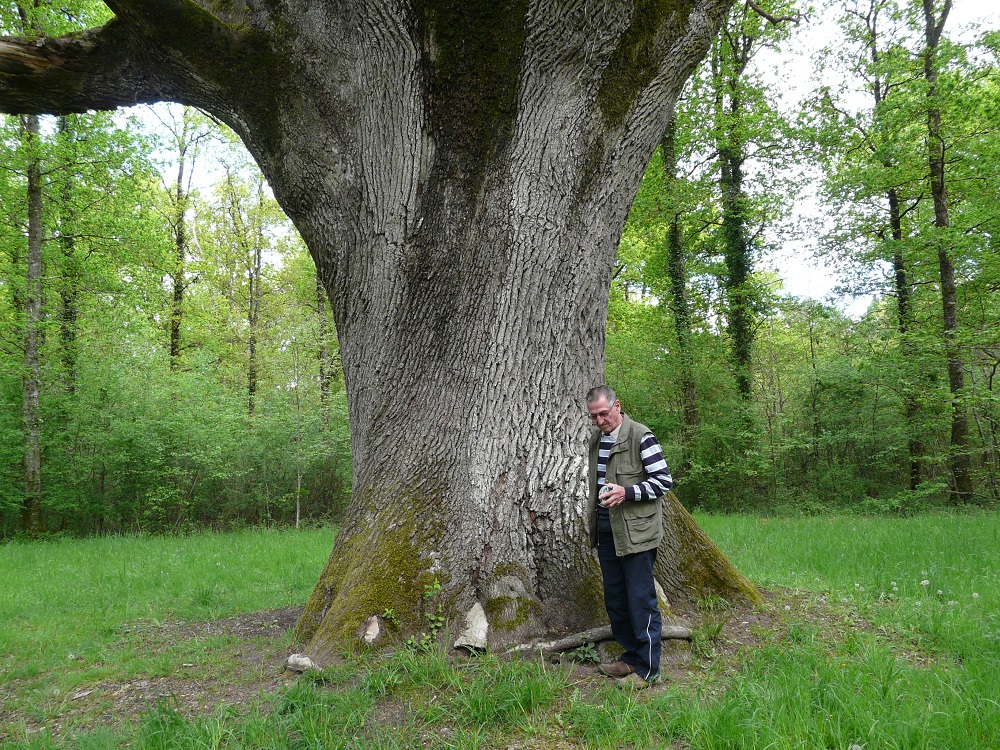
x,y
257,644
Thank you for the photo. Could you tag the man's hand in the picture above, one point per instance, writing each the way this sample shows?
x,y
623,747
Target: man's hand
x,y
612,495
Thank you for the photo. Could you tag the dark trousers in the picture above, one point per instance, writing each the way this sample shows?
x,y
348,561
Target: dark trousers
x,y
630,598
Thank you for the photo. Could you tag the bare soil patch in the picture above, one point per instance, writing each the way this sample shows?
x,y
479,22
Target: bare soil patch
x,y
251,665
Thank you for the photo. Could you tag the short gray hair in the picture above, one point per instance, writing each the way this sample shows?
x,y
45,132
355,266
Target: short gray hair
x,y
601,391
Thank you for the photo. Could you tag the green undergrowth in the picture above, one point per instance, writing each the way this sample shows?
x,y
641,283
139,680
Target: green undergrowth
x,y
880,633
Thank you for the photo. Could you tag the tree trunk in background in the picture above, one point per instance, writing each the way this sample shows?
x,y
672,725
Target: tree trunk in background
x,y
177,273
882,81
32,519
911,408
960,461
69,290
461,173
738,266
256,251
679,306
736,246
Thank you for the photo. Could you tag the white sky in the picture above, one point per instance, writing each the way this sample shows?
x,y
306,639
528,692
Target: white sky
x,y
804,276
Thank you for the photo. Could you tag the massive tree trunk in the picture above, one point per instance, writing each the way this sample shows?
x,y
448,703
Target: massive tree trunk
x,y
961,463
461,172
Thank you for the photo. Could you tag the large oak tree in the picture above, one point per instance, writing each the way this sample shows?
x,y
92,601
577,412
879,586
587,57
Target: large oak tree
x,y
461,171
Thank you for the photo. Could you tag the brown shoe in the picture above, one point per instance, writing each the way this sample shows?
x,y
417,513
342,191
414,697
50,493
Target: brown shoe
x,y
635,682
616,669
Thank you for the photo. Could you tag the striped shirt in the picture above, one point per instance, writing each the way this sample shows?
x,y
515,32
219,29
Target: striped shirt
x,y
658,479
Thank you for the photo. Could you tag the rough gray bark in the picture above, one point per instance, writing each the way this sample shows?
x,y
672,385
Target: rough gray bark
x,y
960,461
461,172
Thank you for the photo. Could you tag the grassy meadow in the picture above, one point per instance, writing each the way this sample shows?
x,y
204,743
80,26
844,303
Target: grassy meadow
x,y
882,633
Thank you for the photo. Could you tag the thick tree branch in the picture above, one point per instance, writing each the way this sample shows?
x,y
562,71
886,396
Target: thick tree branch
x,y
186,51
95,69
773,19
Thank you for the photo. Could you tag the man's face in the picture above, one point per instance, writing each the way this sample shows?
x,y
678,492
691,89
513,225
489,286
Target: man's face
x,y
606,416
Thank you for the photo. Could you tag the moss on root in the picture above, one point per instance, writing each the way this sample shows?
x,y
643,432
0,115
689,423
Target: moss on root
x,y
589,595
508,613
701,567
385,566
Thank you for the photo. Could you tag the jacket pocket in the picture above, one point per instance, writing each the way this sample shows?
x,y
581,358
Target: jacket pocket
x,y
644,521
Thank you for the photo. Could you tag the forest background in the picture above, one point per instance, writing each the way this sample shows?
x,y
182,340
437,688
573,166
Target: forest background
x,y
168,360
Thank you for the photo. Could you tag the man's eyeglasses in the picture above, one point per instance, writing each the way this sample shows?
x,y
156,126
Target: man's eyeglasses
x,y
602,414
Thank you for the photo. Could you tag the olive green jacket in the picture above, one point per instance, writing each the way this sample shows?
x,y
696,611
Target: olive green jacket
x,y
637,525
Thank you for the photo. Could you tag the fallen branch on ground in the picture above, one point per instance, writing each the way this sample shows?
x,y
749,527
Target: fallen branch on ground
x,y
594,635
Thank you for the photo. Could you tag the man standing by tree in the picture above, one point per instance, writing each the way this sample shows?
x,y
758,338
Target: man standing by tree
x,y
628,476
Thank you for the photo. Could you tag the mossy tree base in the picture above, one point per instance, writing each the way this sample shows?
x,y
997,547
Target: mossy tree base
x,y
400,573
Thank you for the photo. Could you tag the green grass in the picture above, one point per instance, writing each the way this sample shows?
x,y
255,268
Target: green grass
x,y
865,654
68,595
76,612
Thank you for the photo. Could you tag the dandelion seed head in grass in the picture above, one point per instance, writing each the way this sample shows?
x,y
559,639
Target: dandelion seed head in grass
x,y
925,582
975,595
